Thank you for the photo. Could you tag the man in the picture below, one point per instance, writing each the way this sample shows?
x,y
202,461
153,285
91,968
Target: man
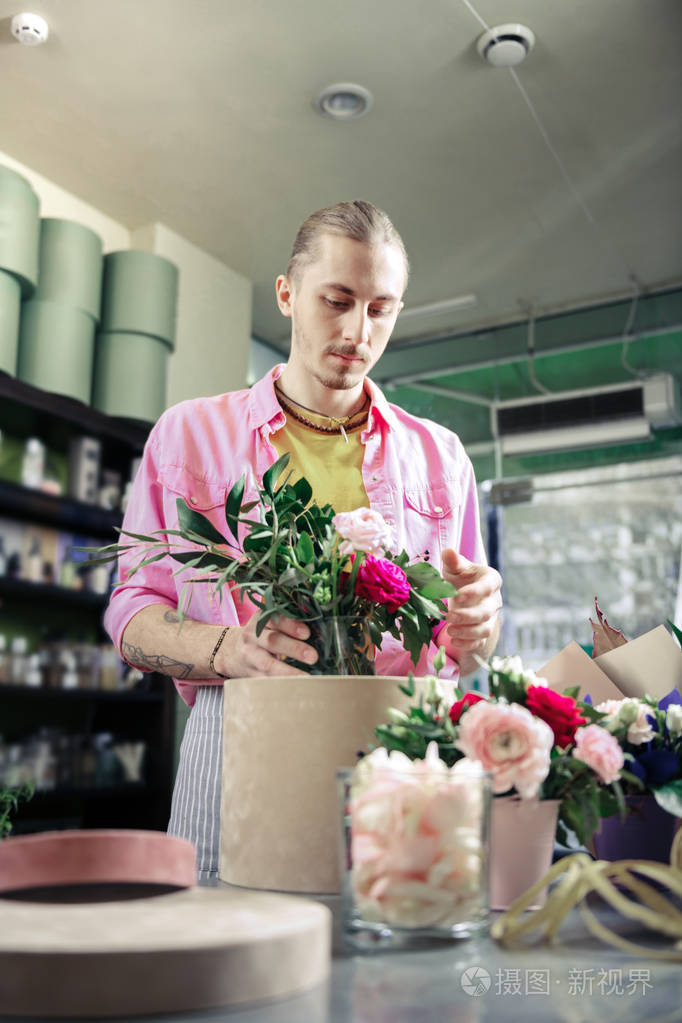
x,y
343,292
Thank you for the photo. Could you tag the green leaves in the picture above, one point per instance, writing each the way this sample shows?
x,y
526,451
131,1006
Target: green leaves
x,y
676,632
9,803
271,476
669,797
191,521
233,505
305,552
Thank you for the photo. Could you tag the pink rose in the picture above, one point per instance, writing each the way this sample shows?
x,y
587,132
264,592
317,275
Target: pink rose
x,y
382,582
599,750
510,743
362,530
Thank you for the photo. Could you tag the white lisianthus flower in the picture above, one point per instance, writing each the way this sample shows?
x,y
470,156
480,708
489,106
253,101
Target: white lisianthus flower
x,y
631,714
612,708
642,728
673,719
433,690
396,717
513,666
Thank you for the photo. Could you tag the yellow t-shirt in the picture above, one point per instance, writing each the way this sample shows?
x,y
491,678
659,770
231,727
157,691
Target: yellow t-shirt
x,y
332,467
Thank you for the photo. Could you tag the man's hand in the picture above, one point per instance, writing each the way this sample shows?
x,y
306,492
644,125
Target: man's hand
x,y
472,624
243,653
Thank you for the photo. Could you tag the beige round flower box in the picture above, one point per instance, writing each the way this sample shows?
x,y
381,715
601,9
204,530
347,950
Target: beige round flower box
x,y
283,740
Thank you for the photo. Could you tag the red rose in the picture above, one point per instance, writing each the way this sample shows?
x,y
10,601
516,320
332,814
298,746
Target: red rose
x,y
560,712
382,582
468,700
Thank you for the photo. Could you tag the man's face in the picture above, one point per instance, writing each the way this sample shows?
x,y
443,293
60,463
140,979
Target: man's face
x,y
343,307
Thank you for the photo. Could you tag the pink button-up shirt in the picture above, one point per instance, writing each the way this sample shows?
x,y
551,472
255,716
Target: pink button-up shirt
x,y
416,473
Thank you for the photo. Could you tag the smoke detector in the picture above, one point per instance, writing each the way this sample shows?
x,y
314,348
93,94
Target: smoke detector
x,y
506,45
29,29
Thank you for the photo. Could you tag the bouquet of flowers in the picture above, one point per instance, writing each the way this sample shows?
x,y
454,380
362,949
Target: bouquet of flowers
x,y
304,562
650,735
648,731
535,742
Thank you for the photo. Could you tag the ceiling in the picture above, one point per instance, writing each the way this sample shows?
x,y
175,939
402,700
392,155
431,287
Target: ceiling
x,y
550,190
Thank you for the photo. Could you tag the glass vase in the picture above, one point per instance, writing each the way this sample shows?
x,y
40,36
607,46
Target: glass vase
x,y
344,646
414,856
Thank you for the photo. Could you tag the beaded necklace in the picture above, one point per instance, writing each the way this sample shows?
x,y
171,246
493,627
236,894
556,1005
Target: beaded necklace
x,y
341,423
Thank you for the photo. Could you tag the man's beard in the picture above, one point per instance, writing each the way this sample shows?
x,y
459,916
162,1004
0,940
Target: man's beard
x,y
344,378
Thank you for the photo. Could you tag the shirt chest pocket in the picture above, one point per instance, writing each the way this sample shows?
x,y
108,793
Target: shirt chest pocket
x,y
207,499
202,496
430,517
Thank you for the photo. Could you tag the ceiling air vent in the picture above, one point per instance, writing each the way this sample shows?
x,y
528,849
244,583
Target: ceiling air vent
x,y
590,417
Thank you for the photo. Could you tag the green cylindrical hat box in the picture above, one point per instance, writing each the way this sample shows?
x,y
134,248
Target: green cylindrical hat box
x,y
70,265
139,294
19,229
10,304
56,347
129,377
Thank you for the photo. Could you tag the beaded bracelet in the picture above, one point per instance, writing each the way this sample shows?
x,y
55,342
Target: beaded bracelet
x,y
215,650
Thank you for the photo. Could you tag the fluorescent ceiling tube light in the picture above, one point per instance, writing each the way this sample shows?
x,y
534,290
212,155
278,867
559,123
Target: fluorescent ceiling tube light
x,y
448,305
584,435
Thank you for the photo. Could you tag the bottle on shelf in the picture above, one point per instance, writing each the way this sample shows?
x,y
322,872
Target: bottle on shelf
x,y
34,676
34,561
18,660
69,672
33,463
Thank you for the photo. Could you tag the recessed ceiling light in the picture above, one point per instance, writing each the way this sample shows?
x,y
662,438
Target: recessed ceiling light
x,y
344,101
506,45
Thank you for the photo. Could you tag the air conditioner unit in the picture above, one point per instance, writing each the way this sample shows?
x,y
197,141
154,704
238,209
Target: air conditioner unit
x,y
589,417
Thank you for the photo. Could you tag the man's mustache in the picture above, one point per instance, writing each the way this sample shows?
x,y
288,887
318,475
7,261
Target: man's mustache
x,y
349,353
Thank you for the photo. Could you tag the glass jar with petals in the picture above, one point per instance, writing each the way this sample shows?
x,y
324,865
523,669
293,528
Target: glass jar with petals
x,y
414,850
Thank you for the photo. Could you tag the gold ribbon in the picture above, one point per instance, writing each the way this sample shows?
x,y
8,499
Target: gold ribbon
x,y
583,875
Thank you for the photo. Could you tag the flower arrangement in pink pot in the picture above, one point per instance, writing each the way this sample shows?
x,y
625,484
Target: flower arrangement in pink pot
x,y
535,743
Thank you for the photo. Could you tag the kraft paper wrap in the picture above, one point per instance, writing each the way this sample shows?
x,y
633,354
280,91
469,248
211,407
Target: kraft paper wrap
x,y
649,665
283,740
70,265
56,346
195,949
10,304
19,229
129,376
139,294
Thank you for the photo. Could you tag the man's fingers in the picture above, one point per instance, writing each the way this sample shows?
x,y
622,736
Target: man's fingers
x,y
289,626
284,644
456,564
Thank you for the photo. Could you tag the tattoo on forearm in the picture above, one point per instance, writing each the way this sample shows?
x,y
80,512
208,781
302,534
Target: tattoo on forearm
x,y
171,616
136,656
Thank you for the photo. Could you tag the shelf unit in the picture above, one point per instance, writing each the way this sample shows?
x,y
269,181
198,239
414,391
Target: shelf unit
x,y
62,512
145,713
